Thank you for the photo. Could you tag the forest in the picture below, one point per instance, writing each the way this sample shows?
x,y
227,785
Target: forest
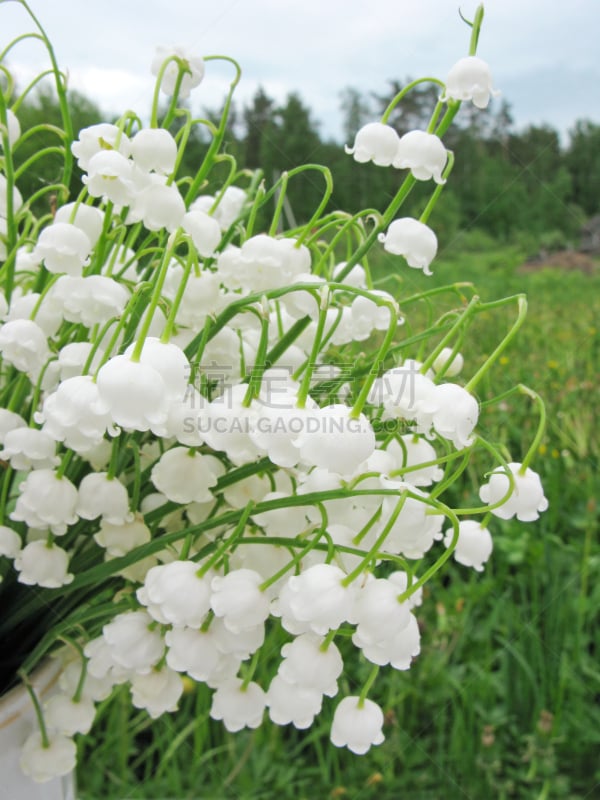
x,y
529,187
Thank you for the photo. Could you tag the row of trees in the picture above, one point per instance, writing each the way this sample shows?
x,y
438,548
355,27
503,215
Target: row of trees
x,y
505,182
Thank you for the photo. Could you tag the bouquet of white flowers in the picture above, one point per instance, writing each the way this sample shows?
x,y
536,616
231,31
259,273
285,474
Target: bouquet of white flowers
x,y
214,435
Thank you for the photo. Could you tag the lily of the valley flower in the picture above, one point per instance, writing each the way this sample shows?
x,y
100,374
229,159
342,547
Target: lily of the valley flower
x,y
375,142
423,153
412,239
357,725
470,79
526,500
193,69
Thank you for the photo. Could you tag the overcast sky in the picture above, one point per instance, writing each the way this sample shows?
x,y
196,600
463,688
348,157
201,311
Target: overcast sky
x,y
543,56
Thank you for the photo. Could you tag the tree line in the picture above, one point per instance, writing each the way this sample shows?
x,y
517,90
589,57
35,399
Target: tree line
x,y
506,183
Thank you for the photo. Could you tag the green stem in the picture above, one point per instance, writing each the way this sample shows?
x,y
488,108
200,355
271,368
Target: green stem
x,y
227,545
60,83
491,360
191,261
403,92
359,569
314,353
369,682
156,295
215,145
438,189
37,706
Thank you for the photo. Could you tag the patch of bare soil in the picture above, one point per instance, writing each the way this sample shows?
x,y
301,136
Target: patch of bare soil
x,y
563,259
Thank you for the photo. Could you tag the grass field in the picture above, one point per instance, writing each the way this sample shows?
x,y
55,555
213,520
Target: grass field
x,y
503,700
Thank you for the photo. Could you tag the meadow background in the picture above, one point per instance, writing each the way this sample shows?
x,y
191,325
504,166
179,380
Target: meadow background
x,y
503,700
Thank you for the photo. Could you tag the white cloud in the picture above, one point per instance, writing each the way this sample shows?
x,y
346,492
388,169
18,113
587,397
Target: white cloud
x,y
315,47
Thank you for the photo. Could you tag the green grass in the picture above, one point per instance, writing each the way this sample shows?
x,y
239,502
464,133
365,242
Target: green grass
x,y
502,701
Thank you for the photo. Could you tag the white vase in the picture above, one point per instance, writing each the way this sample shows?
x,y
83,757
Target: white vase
x,y
17,720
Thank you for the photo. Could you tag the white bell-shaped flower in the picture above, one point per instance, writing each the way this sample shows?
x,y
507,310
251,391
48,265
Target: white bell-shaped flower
x,y
253,488
67,716
96,689
73,357
46,501
306,664
412,451
169,361
43,763
187,418
175,594
230,424
28,448
43,311
97,139
204,230
368,316
281,607
63,248
470,79
336,440
134,393
158,205
456,413
154,150
13,128
262,263
110,175
290,703
375,142
446,361
222,359
414,530
119,538
23,344
238,599
303,302
404,391
400,580
185,476
412,239
133,641
194,70
200,298
242,644
17,198
89,219
277,425
237,705
318,597
9,420
100,663
398,649
357,725
76,415
230,205
424,154
356,277
474,545
101,496
282,521
526,500
228,209
157,691
43,564
194,651
92,300
10,542
378,612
